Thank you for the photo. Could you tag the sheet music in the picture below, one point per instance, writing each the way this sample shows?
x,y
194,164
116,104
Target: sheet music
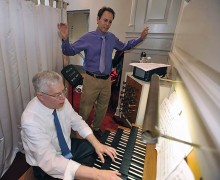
x,y
182,172
172,123
148,66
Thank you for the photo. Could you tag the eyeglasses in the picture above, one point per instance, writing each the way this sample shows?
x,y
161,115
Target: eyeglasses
x,y
58,95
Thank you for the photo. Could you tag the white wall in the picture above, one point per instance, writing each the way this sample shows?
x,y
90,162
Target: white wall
x,y
195,55
122,10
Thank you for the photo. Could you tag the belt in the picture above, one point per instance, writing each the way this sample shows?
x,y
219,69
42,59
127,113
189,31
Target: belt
x,y
97,76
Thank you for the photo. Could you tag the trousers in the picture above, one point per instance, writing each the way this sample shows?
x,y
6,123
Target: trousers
x,y
82,151
95,93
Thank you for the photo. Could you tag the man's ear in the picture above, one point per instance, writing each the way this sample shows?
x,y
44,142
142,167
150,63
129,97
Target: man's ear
x,y
97,19
39,95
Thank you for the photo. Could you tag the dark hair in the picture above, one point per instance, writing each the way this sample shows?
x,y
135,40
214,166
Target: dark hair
x,y
103,9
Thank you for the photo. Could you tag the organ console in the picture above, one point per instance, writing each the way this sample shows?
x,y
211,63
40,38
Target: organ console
x,y
195,59
136,159
137,155
133,99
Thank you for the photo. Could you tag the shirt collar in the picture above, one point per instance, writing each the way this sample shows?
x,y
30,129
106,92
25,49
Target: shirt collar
x,y
101,33
44,108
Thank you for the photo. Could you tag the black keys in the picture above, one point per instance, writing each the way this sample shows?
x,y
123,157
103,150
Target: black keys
x,y
131,150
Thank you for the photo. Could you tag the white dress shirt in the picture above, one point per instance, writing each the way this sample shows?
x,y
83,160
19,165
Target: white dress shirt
x,y
40,141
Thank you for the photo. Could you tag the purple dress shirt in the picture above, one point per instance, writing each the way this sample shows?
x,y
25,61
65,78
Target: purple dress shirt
x,y
91,43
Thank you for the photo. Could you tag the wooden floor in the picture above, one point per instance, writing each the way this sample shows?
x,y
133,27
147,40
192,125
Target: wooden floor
x,y
28,175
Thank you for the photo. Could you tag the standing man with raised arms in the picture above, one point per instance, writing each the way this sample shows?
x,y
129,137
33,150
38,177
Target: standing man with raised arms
x,y
98,47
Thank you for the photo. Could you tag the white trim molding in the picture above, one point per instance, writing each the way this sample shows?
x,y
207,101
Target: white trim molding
x,y
203,84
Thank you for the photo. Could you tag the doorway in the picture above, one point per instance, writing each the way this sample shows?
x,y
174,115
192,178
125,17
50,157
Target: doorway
x,y
78,24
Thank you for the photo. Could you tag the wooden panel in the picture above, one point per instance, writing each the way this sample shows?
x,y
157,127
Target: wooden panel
x,y
138,89
150,165
160,15
130,98
28,175
158,10
193,164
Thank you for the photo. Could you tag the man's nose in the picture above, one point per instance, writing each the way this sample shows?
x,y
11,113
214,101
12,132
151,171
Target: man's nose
x,y
108,23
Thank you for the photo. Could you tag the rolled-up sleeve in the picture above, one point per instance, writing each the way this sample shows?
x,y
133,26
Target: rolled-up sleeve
x,y
71,170
40,141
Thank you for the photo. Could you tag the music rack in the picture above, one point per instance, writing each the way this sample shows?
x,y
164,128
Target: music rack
x,y
73,77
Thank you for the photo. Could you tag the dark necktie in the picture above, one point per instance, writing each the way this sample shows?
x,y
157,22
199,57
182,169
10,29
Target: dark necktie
x,y
102,56
62,142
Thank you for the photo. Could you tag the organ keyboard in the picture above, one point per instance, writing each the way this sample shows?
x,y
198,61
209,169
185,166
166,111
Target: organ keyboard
x,y
136,160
